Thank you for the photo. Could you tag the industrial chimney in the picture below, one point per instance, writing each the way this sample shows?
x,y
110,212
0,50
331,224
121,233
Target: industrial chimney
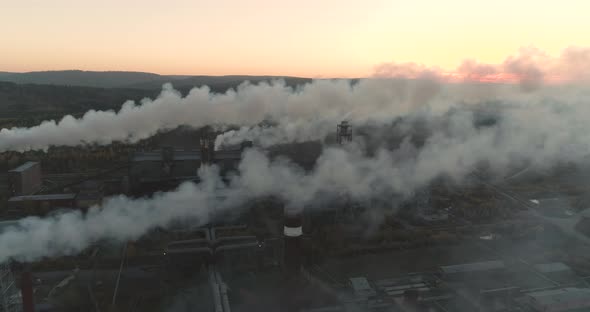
x,y
293,232
26,285
207,145
167,160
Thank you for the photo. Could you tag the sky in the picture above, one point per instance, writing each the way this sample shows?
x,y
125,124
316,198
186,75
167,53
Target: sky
x,y
311,38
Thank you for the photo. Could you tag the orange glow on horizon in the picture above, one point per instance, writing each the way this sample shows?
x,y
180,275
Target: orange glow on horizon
x,y
500,78
318,39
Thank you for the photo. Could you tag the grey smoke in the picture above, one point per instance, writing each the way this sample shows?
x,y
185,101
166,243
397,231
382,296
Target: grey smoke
x,y
432,89
540,135
249,105
538,129
311,110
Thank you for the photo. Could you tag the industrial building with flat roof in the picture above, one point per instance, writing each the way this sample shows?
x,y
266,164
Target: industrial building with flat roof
x,y
41,204
557,300
168,167
472,268
25,179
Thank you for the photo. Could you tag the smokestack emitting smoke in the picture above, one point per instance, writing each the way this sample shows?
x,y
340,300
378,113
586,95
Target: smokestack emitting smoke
x,y
292,231
249,105
541,129
540,135
27,289
304,113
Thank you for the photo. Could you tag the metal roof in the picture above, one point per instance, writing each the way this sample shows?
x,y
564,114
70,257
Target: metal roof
x,y
157,156
187,155
473,267
552,267
228,155
169,179
43,197
561,296
236,247
360,283
89,196
24,166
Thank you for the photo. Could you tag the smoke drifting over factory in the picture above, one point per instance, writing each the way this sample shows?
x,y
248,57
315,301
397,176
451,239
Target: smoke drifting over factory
x,y
394,138
456,146
309,111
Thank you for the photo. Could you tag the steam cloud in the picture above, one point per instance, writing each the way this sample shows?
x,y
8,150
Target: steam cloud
x,y
540,135
539,129
310,111
248,105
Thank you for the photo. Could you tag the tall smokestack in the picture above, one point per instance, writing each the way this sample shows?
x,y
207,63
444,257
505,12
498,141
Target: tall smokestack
x,y
207,147
293,232
27,289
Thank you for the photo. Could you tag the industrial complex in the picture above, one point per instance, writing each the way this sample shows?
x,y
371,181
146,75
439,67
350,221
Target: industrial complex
x,y
520,244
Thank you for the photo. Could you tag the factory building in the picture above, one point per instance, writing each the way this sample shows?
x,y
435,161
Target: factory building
x,y
159,169
263,263
558,272
11,298
167,168
472,270
231,248
361,287
185,255
88,194
25,179
293,232
41,204
556,300
239,253
88,198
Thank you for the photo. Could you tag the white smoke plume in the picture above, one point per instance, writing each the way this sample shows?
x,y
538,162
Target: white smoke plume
x,y
310,111
119,219
430,88
539,135
249,105
541,129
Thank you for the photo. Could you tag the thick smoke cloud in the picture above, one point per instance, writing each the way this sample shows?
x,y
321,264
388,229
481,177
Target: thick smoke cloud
x,y
539,135
249,105
309,111
537,75
534,129
119,219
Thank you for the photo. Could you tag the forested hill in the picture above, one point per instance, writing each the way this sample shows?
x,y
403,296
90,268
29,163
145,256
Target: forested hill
x,y
28,104
135,80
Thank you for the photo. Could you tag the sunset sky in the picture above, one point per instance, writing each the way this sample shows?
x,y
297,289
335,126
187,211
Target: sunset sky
x,y
313,38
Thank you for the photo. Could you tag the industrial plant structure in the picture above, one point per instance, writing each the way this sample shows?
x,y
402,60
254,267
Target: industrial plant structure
x,y
25,179
347,255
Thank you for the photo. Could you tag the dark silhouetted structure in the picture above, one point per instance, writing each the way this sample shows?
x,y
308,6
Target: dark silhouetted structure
x,y
293,232
25,179
344,132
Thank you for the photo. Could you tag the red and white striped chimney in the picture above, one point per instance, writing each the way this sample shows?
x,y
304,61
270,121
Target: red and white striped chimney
x,y
292,232
27,289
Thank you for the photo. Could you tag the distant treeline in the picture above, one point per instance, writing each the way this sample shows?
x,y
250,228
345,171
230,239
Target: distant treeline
x,y
30,101
28,104
133,80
